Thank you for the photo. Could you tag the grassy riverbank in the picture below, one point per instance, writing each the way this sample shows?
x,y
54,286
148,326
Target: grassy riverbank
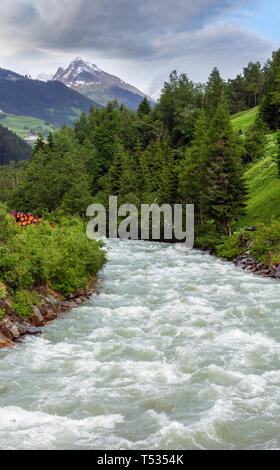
x,y
61,258
262,208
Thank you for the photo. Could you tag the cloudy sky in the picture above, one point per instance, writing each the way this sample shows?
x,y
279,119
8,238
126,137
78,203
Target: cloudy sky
x,y
139,40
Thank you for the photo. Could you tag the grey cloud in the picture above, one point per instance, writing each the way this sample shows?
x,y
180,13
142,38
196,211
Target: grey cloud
x,y
137,39
18,14
124,28
228,48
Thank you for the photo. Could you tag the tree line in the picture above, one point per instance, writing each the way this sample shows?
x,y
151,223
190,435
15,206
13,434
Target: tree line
x,y
184,150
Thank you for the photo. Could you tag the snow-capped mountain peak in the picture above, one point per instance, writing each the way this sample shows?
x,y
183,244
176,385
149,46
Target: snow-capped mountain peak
x,y
80,73
87,78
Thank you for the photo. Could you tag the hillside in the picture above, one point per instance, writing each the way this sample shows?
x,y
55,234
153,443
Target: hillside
x,y
104,93
244,119
12,147
51,102
100,86
264,188
23,126
261,177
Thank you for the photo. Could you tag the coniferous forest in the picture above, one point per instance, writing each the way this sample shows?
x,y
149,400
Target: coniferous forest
x,y
184,150
12,147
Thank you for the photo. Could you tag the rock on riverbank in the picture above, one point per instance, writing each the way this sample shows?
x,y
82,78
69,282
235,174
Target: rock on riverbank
x,y
248,263
50,307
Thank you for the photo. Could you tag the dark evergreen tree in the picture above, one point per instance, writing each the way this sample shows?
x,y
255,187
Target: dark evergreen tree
x,y
255,140
225,188
115,173
192,176
270,105
12,147
215,92
254,83
144,108
177,107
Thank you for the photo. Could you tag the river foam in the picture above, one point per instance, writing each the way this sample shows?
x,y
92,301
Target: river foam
x,y
179,350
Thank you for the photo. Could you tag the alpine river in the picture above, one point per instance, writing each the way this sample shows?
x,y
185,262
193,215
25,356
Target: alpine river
x,y
179,350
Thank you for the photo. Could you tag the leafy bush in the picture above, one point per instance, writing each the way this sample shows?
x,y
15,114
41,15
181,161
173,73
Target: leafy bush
x,y
62,257
23,302
266,243
230,247
207,237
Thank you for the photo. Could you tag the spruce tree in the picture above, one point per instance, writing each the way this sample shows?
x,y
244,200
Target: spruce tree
x,y
214,92
144,108
115,172
192,180
39,144
167,193
225,193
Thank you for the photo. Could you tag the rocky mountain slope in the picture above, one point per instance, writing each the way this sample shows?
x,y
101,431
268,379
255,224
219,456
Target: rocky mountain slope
x,y
98,85
51,101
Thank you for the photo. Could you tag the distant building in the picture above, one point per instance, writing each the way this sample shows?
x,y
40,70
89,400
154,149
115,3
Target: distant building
x,y
33,137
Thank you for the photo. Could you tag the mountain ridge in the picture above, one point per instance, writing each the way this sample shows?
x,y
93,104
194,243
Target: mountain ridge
x,y
89,80
51,101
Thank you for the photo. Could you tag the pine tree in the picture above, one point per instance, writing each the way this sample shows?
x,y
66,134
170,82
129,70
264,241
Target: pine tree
x,y
81,128
115,172
270,105
192,183
144,108
254,81
51,140
255,140
214,92
167,193
39,144
225,188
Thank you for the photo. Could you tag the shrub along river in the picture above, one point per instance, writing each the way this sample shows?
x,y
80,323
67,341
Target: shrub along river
x,y
179,350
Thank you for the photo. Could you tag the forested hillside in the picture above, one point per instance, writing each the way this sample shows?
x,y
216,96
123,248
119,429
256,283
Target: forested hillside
x,y
12,148
188,149
102,94
52,102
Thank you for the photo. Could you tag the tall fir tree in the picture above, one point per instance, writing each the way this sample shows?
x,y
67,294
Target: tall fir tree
x,y
215,92
192,177
144,108
225,187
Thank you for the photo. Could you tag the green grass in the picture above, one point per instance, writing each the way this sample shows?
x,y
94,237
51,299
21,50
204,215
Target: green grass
x,y
244,119
264,188
23,126
262,177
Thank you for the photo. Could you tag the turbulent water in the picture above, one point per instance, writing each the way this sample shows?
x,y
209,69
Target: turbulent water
x,y
178,350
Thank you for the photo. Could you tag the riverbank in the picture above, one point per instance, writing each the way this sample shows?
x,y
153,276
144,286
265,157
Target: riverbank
x,y
41,266
248,263
51,305
255,249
